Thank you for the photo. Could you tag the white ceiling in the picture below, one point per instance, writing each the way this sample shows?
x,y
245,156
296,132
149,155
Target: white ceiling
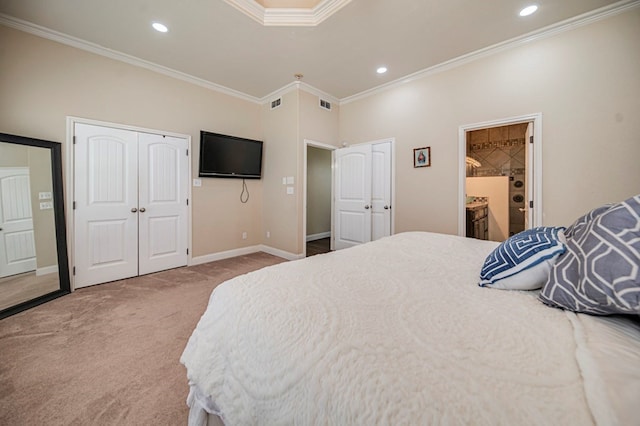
x,y
213,41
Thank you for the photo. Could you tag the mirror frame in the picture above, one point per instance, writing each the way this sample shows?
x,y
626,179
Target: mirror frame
x,y
60,223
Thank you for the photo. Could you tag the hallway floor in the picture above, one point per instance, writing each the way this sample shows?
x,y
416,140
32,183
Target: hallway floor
x,y
318,246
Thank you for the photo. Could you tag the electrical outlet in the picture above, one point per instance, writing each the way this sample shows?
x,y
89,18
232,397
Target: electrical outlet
x,y
289,190
47,205
268,234
44,195
244,235
197,182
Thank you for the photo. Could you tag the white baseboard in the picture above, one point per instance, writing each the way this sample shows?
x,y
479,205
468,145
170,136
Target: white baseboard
x,y
242,251
53,269
319,236
224,255
281,253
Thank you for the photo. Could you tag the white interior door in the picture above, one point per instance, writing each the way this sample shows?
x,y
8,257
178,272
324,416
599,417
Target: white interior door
x,y
380,190
16,222
352,196
528,181
106,204
164,185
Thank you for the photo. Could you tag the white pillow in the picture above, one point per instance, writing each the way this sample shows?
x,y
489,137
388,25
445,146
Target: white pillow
x,y
523,261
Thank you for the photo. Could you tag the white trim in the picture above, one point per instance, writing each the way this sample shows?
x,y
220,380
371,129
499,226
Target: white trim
x,y
199,260
53,269
320,236
306,143
70,179
271,16
298,85
281,253
549,31
536,118
59,37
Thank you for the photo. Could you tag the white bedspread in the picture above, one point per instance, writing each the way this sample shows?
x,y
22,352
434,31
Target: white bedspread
x,y
392,332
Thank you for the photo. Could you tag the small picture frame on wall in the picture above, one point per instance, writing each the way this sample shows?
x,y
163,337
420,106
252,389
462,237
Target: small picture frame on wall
x,y
422,157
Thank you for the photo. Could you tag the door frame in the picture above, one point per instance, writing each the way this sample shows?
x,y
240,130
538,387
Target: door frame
x,y
70,179
536,170
332,148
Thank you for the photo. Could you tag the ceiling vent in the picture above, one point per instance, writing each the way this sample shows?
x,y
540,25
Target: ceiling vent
x,y
325,104
276,103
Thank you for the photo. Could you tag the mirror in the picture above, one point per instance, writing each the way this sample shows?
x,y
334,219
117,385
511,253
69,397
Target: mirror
x,y
33,246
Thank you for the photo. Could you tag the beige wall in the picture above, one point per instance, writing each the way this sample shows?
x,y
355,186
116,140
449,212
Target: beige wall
x,y
318,190
286,128
317,125
42,82
280,212
585,83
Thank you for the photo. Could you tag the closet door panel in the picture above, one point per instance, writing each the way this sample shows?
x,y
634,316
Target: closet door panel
x,y
381,190
164,185
352,196
106,199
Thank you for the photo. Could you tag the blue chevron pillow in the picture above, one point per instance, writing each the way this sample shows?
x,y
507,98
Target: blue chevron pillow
x,y
524,260
600,272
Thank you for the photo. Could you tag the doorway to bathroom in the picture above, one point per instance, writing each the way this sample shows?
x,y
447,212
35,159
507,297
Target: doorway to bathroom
x,y
500,177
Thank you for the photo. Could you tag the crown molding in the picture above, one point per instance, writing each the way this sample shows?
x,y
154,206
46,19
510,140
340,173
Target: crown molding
x,y
68,40
273,16
299,85
550,31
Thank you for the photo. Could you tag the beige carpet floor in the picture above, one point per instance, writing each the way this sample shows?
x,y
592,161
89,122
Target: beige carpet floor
x,y
109,354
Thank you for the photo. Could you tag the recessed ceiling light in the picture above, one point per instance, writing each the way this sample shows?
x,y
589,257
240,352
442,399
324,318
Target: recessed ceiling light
x,y
381,70
528,10
160,27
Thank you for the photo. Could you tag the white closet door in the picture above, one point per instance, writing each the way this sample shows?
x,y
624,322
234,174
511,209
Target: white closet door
x,y
381,190
164,179
353,196
106,198
17,241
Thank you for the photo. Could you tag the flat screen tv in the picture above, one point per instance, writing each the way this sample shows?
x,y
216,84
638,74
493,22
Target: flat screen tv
x,y
229,156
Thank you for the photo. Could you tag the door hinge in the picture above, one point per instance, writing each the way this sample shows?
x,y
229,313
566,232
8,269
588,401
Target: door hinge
x,y
74,140
531,204
74,205
187,251
74,271
187,201
187,153
530,139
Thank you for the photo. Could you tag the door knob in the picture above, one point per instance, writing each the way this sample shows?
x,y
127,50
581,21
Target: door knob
x,y
142,210
386,207
367,207
133,210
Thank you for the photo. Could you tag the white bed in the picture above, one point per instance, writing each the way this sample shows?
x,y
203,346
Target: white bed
x,y
397,331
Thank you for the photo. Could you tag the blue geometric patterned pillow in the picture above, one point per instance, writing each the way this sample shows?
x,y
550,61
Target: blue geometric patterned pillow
x,y
523,261
600,272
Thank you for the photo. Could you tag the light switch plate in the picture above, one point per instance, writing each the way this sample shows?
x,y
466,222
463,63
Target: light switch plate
x,y
44,195
47,205
284,180
197,182
289,180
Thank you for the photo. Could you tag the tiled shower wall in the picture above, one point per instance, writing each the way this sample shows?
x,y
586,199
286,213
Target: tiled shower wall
x,y
501,152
